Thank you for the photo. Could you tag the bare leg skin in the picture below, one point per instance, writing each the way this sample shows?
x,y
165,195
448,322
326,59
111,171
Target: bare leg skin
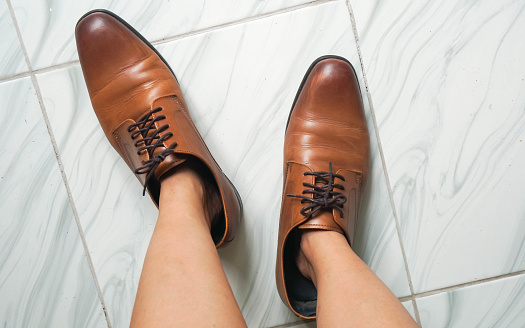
x,y
349,294
182,282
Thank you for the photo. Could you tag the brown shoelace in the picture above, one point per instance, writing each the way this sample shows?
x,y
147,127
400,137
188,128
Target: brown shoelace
x,y
151,140
323,196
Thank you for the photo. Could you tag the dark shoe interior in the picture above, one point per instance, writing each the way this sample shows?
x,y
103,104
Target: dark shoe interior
x,y
219,222
301,291
218,228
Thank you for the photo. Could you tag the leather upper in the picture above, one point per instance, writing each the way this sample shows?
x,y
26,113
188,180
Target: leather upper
x,y
122,73
327,124
126,79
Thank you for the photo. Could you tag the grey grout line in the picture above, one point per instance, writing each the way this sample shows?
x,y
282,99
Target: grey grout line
x,y
463,285
32,73
406,298
182,36
383,162
57,155
15,77
394,211
39,71
358,45
416,312
413,297
242,21
56,67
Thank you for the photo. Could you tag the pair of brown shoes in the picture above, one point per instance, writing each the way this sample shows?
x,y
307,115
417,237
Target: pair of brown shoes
x,y
142,111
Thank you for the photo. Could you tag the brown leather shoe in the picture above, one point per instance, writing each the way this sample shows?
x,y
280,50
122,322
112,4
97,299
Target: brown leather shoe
x,y
142,111
326,162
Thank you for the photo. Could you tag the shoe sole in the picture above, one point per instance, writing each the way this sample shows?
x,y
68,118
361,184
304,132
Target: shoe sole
x,y
308,74
143,39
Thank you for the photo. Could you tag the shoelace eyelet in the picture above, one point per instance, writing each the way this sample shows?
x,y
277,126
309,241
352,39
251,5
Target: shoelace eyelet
x,y
143,128
324,197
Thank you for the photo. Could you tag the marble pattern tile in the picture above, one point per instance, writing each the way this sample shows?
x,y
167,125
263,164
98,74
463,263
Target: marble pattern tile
x,y
11,55
313,324
447,85
258,70
116,219
498,303
47,27
45,280
239,83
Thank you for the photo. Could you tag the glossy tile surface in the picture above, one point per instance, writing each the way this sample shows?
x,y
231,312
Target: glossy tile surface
x,y
11,55
116,219
45,280
239,90
495,304
47,26
447,83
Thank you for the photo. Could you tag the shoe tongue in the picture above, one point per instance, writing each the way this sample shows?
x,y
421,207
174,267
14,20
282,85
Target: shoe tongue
x,y
322,220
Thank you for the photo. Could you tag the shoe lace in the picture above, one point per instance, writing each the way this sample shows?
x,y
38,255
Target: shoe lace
x,y
151,140
323,196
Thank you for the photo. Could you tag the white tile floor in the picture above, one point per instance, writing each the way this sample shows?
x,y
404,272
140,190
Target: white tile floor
x,y
443,221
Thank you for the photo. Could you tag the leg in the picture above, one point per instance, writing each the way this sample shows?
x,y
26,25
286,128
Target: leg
x,y
136,102
327,160
349,293
182,282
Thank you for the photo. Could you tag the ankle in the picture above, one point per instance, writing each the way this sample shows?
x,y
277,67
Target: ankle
x,y
182,181
191,187
304,256
316,249
182,190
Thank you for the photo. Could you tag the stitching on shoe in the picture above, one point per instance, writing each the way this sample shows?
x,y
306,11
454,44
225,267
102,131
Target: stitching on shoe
x,y
118,138
320,225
